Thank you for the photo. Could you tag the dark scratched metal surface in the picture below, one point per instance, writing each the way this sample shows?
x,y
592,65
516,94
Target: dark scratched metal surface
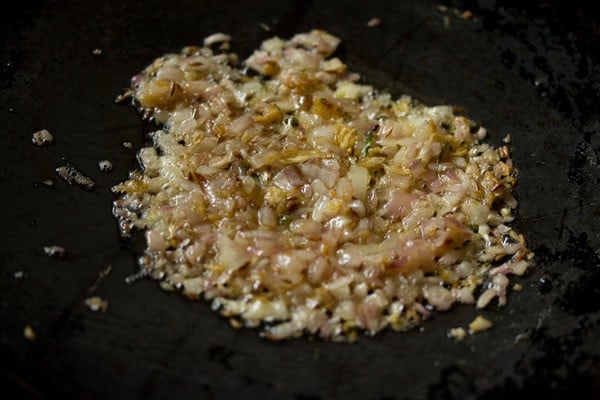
x,y
529,70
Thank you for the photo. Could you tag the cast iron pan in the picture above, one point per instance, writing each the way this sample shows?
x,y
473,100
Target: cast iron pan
x,y
529,69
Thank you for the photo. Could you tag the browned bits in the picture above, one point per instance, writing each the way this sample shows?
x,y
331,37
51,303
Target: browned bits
x,y
42,138
72,175
480,324
271,68
504,152
325,108
267,114
300,81
158,93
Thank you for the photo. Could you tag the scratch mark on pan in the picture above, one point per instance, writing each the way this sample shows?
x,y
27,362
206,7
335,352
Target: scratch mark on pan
x,y
103,273
561,228
561,212
22,383
77,301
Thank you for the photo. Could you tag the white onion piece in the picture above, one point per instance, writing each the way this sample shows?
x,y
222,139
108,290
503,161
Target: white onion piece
x,y
287,179
485,298
230,253
359,178
216,38
438,296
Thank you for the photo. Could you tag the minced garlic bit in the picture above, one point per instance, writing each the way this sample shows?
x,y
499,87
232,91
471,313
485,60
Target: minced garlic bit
x,y
479,324
96,303
105,166
29,333
55,251
42,138
303,201
517,287
457,333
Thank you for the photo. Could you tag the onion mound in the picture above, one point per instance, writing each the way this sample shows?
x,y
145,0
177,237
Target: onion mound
x,y
302,202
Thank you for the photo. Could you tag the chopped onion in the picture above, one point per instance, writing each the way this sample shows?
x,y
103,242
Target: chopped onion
x,y
303,201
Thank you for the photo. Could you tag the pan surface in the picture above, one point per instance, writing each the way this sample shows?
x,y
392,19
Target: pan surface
x,y
527,69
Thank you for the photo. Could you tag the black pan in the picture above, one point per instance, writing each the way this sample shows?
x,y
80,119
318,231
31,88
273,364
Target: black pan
x,y
529,69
